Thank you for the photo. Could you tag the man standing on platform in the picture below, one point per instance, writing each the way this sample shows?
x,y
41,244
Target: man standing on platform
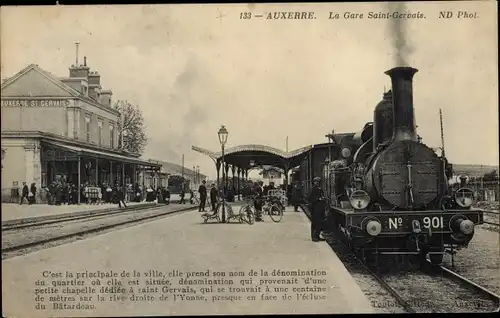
x,y
183,192
24,193
257,192
297,195
120,196
317,201
202,190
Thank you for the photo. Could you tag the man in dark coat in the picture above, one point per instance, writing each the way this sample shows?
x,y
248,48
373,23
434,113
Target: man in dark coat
x,y
202,190
213,196
120,193
58,193
297,195
317,201
65,193
24,193
257,192
167,196
32,194
182,194
265,189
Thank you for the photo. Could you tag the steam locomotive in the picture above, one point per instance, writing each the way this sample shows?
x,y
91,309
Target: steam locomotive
x,y
387,192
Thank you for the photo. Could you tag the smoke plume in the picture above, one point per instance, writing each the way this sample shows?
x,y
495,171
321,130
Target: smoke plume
x,y
398,32
188,109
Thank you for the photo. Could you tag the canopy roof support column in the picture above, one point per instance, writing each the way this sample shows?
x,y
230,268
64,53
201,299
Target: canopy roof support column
x,y
233,169
286,169
239,188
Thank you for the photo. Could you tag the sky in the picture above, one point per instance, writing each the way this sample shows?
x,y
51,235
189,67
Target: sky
x,y
193,68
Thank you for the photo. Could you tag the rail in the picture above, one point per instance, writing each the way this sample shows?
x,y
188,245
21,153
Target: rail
x,y
470,283
394,293
35,243
404,304
52,219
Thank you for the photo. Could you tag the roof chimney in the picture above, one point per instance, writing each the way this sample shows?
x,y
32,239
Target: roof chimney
x,y
84,61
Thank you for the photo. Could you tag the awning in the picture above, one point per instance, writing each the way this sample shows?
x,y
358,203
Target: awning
x,y
101,154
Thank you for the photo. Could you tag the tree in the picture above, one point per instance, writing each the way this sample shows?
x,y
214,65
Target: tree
x,y
176,183
490,176
131,129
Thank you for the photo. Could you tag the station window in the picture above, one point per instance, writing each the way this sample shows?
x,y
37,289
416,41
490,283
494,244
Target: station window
x,y
99,131
87,128
112,136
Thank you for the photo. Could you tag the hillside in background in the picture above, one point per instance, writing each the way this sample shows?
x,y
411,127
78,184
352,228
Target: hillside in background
x,y
473,170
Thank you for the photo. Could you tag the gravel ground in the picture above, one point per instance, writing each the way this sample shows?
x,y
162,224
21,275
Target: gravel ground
x,y
427,293
480,261
33,234
382,301
433,293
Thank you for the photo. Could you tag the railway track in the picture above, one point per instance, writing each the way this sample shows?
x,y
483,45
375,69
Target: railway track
x,y
42,235
491,295
434,289
46,220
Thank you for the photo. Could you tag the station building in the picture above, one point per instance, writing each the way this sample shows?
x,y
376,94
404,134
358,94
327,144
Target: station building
x,y
272,174
65,128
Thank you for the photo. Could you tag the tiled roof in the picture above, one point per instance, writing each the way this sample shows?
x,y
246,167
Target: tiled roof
x,y
52,78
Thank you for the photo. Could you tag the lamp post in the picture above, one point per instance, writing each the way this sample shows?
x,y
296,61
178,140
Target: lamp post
x,y
198,174
194,176
223,139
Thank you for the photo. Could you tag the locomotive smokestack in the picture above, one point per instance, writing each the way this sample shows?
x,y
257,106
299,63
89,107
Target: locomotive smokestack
x,y
402,96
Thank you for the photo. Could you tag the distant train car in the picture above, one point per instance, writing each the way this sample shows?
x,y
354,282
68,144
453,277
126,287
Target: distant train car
x,y
388,192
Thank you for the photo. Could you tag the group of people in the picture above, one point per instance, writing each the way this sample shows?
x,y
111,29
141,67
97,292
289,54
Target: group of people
x,y
316,199
61,192
203,192
28,194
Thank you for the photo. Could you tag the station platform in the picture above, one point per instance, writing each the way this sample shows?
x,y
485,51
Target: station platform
x,y
180,266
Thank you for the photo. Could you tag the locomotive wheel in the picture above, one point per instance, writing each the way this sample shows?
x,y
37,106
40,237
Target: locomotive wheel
x,y
436,259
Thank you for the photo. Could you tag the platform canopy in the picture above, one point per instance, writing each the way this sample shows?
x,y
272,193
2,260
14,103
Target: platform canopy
x,y
250,156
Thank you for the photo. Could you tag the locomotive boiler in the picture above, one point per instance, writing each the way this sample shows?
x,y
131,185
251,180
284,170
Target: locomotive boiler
x,y
391,196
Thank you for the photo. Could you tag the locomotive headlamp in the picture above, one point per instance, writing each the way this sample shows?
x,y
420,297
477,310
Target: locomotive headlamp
x,y
373,227
460,223
467,227
359,199
345,152
464,197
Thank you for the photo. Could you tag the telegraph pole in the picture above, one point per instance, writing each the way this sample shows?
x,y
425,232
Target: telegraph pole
x,y
442,132
182,171
77,45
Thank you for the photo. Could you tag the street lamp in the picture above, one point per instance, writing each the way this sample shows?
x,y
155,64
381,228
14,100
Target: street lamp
x,y
198,174
223,139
